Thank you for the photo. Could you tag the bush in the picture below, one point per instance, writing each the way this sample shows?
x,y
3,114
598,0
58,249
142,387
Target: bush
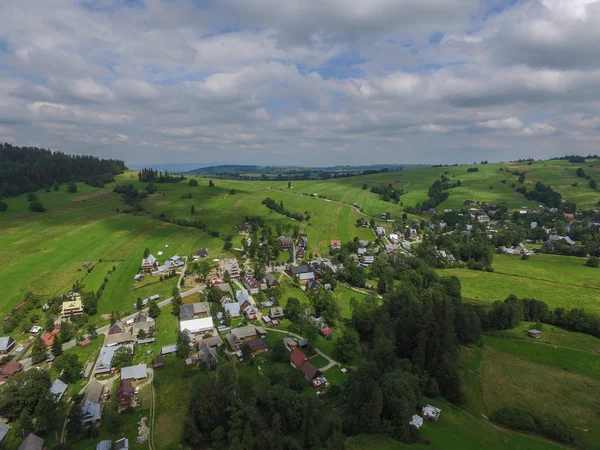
x,y
521,419
36,206
71,187
594,261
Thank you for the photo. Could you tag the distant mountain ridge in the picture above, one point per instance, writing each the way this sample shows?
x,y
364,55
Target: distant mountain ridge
x,y
238,170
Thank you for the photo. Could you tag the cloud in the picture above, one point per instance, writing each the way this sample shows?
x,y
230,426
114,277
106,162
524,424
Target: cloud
x,y
302,81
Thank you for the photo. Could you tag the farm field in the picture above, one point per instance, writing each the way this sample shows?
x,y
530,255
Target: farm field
x,y
560,281
553,382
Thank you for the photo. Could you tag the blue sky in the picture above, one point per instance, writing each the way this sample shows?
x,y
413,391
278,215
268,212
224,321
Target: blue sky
x,y
314,82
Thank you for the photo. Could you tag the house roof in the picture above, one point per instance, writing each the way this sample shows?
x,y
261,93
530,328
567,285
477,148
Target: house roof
x,y
136,372
118,338
187,312
276,312
93,391
166,349
116,328
32,442
260,330
243,296
106,354
309,370
122,444
244,332
213,341
104,445
251,283
302,268
11,367
335,243
58,388
270,279
306,276
232,308
206,353
149,261
312,284
297,357
4,429
6,342
257,344
198,325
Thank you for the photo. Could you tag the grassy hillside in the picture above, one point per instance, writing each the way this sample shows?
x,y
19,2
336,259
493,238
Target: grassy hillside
x,y
558,280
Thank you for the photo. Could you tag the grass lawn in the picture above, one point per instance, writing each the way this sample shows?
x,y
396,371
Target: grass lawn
x,y
94,279
559,281
530,376
319,361
335,376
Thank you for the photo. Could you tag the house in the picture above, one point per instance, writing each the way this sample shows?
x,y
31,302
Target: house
x,y
143,322
300,269
483,218
177,261
367,261
233,309
32,442
104,445
536,334
125,395
72,308
228,265
406,245
271,281
364,222
10,369
213,341
251,284
304,277
276,313
194,310
224,287
243,298
122,444
202,253
326,332
286,242
137,372
168,349
548,246
92,407
566,239
251,312
4,429
200,325
258,346
116,328
380,231
569,217
469,202
58,388
335,244
6,344
297,358
168,266
361,251
260,331
312,374
303,241
237,336
136,278
149,263
312,284
118,339
290,344
393,238
104,364
431,413
207,356
48,338
159,362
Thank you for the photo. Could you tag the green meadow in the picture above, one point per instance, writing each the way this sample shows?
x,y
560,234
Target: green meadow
x,y
560,281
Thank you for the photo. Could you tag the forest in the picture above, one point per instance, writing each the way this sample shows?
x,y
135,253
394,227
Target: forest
x,y
27,169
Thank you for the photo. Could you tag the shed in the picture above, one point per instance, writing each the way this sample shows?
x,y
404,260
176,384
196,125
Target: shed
x,y
168,349
159,362
536,334
137,372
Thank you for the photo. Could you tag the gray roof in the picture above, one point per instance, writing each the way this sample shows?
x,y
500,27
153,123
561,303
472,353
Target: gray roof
x,y
306,276
93,391
91,412
32,442
6,342
233,309
166,349
136,372
213,341
119,338
106,354
58,388
224,287
276,312
104,445
243,296
4,429
187,312
270,279
244,332
122,444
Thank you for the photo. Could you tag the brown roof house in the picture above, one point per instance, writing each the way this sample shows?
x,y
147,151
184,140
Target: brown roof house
x,y
125,395
9,369
236,337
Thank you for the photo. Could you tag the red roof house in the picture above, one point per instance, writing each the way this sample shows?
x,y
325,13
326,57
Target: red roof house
x,y
9,369
48,338
297,358
326,331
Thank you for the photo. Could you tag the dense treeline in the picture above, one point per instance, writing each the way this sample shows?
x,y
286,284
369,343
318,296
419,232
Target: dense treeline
x,y
388,192
154,176
280,208
474,249
512,311
26,169
546,195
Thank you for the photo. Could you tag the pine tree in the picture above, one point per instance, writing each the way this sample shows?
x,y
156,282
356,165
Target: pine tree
x,y
192,209
38,351
146,252
57,346
153,310
176,303
210,183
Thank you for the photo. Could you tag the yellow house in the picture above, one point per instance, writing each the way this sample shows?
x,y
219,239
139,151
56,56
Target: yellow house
x,y
72,308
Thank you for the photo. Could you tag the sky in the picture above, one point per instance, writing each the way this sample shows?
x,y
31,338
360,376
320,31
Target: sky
x,y
302,82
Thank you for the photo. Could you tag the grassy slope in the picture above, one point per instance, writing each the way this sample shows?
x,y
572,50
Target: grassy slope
x,y
558,280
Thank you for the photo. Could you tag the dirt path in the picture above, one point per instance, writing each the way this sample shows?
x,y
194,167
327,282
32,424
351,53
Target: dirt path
x,y
152,409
